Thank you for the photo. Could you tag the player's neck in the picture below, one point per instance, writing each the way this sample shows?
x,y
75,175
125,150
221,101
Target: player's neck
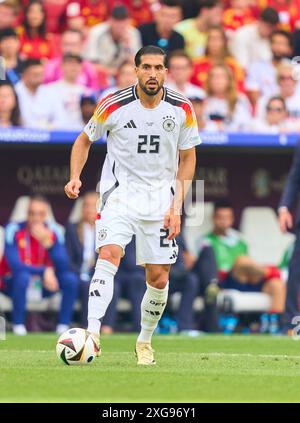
x,y
149,101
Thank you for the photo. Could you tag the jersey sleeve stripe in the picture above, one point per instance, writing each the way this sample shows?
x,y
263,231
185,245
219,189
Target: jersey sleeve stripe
x,y
102,114
109,98
113,101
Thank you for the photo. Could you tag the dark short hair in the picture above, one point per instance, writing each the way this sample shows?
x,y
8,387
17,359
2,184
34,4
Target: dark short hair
x,y
171,3
88,98
178,53
269,15
276,98
7,32
30,62
285,34
149,50
222,204
208,4
120,12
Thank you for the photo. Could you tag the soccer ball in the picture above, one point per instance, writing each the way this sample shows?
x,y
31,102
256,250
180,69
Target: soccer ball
x,y
76,346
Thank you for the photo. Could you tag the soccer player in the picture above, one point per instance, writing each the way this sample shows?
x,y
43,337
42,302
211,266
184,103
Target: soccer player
x,y
142,187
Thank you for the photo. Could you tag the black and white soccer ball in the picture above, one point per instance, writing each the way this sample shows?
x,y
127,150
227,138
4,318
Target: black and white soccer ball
x,y
76,346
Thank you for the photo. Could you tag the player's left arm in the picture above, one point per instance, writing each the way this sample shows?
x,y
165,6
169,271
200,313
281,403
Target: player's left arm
x,y
185,174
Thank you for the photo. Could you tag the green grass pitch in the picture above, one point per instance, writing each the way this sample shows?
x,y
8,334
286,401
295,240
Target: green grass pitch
x,y
211,368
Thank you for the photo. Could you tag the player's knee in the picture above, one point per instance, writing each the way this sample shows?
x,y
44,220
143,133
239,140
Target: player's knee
x,y
111,253
158,276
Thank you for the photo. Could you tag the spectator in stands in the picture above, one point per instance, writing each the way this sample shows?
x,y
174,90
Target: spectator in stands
x,y
35,43
87,107
125,77
275,119
112,42
37,110
54,9
226,242
7,15
287,90
203,125
251,43
228,109
73,18
237,271
237,15
9,50
288,12
161,32
35,251
180,70
72,42
248,276
130,284
80,244
9,106
216,52
84,13
141,11
262,75
65,94
194,30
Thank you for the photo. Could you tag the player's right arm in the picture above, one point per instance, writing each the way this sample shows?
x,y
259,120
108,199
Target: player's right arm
x,y
99,123
79,155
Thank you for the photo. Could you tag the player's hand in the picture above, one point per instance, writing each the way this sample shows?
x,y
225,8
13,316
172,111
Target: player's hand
x,y
50,281
72,188
285,220
172,222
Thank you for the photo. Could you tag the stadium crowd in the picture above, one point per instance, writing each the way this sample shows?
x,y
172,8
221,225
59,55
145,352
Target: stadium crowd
x,y
236,60
237,63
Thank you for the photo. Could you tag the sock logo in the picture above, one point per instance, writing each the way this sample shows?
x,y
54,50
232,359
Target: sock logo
x,y
156,304
95,293
100,281
153,313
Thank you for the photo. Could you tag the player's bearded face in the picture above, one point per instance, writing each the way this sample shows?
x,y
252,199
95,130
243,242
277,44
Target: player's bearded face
x,y
151,74
151,87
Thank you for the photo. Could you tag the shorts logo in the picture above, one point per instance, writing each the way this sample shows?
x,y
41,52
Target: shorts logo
x,y
168,123
102,234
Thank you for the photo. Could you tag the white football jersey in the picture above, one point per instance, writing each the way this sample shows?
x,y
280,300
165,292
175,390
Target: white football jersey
x,y
140,167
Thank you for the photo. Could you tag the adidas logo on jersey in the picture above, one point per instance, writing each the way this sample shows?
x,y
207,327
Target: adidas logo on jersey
x,y
130,124
95,293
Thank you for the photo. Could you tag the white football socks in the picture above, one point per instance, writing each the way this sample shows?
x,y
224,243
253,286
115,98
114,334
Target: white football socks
x,y
100,294
152,308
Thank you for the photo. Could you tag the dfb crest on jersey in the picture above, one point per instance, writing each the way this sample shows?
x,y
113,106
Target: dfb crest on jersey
x,y
168,123
102,234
